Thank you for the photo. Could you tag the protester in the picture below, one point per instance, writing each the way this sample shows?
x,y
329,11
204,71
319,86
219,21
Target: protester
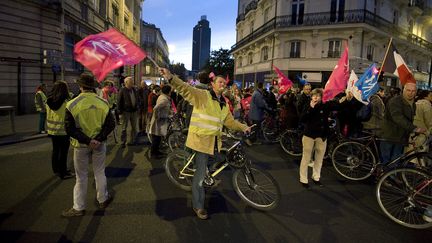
x,y
88,121
160,120
398,123
304,99
315,118
423,116
40,102
375,123
209,115
128,107
56,108
256,113
143,93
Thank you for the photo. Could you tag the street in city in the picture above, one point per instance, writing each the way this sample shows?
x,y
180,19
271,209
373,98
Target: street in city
x,y
148,208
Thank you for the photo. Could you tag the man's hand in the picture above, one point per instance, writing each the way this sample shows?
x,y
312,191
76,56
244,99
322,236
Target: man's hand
x,y
165,73
94,144
419,130
247,130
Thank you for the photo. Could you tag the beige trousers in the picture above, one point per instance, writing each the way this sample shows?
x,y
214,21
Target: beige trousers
x,y
311,146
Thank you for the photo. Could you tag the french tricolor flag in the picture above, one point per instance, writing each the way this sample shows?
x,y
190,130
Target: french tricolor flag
x,y
394,63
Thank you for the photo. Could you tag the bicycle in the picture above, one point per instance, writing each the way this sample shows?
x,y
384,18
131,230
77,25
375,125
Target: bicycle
x,y
405,196
176,133
254,186
270,127
291,140
355,159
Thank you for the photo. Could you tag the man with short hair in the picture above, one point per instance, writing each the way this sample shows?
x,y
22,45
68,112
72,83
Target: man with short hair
x,y
256,113
143,93
398,123
128,106
88,122
304,99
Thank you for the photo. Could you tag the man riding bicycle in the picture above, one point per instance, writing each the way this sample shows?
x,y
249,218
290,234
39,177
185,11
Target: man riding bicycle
x,y
209,115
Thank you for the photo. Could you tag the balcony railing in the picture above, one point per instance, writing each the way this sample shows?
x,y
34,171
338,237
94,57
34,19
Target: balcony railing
x,y
241,17
324,18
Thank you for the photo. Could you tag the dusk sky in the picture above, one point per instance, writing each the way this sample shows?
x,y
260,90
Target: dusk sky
x,y
176,20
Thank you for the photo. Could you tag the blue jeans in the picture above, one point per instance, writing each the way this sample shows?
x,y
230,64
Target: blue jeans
x,y
390,151
42,119
201,162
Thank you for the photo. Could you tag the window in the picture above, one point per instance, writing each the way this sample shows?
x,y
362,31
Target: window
x,y
84,12
239,61
297,12
337,9
96,5
395,17
295,49
264,53
250,58
102,7
334,48
147,69
266,15
69,62
411,25
241,34
116,16
370,52
251,27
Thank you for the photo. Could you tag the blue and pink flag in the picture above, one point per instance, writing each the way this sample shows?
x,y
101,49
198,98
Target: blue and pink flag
x,y
284,82
338,79
368,83
101,53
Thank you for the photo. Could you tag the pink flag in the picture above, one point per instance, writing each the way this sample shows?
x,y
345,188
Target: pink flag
x,y
227,80
338,79
284,82
101,53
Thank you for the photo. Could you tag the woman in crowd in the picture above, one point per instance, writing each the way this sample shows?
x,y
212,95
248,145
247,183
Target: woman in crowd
x,y
56,107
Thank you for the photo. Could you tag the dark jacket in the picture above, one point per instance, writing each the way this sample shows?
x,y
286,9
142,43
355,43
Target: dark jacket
x,y
302,103
315,119
124,100
143,98
398,120
257,106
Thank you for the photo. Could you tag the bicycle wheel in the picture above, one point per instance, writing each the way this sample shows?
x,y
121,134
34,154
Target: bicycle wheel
x,y
270,131
404,194
174,163
353,160
291,142
176,140
257,188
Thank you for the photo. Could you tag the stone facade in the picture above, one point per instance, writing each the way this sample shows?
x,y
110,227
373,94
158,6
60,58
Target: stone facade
x,y
154,44
306,37
37,39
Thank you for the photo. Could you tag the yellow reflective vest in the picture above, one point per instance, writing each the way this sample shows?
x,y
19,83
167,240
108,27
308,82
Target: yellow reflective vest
x,y
44,99
209,119
56,120
89,112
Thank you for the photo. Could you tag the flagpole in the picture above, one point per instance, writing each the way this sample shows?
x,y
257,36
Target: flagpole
x,y
385,56
153,61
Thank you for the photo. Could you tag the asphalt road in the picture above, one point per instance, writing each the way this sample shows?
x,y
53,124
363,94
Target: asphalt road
x,y
148,208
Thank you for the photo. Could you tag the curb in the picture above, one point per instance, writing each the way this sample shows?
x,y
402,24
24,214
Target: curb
x,y
24,139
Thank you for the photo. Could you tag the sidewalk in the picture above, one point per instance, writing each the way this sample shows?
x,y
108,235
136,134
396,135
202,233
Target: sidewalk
x,y
25,126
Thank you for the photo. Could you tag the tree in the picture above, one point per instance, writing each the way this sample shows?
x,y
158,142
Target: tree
x,y
178,69
221,62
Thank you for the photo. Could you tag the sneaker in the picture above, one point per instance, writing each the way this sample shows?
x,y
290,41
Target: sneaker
x,y
67,175
305,185
106,203
73,213
318,183
201,213
42,132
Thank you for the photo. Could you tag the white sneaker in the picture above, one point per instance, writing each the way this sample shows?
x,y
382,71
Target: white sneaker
x,y
311,164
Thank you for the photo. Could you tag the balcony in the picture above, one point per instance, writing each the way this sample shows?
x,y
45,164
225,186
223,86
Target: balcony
x,y
240,18
251,6
324,18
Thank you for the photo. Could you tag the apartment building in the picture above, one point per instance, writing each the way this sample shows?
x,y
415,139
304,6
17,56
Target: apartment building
x,y
37,40
305,38
156,47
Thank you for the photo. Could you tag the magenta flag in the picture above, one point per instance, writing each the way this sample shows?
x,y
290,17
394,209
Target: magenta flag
x,y
284,82
101,53
338,79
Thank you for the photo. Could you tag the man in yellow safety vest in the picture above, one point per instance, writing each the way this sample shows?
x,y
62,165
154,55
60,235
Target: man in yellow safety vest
x,y
210,113
88,122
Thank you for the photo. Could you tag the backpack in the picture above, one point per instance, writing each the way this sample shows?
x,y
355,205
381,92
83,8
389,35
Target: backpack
x,y
365,112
